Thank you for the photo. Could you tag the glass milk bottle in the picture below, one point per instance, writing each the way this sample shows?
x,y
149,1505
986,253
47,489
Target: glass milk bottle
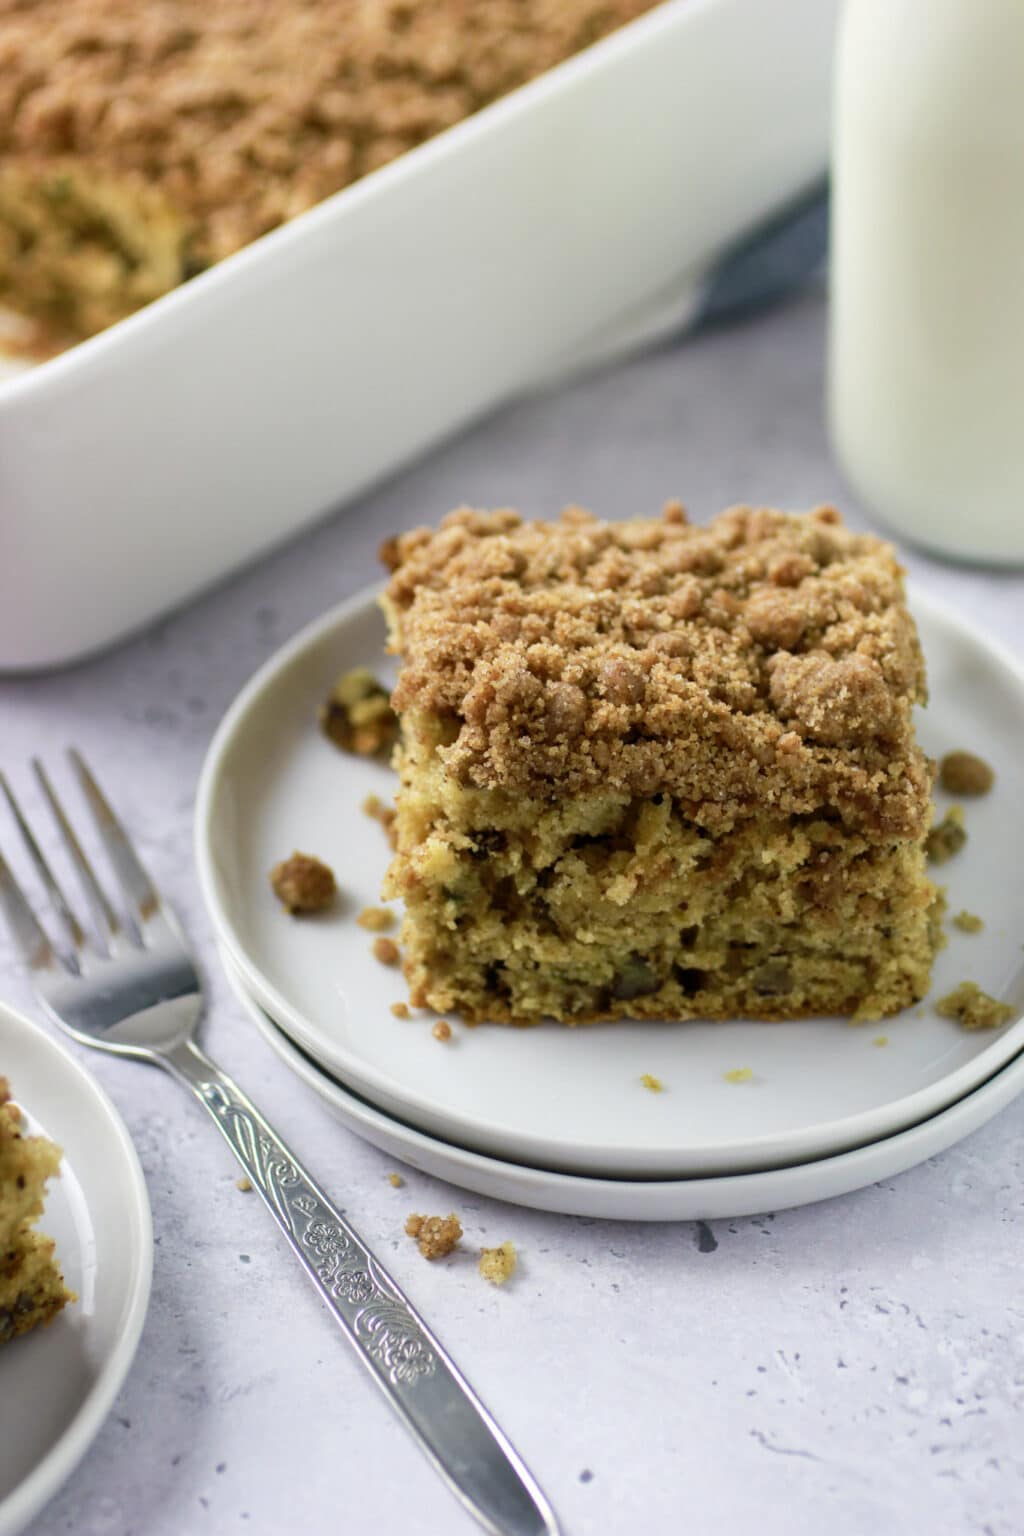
x,y
927,289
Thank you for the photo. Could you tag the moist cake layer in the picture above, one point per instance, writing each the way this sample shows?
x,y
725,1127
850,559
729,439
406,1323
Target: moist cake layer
x,y
31,1287
657,770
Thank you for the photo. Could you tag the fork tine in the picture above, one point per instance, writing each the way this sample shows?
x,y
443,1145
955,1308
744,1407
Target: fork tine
x,y
29,938
104,916
136,885
57,898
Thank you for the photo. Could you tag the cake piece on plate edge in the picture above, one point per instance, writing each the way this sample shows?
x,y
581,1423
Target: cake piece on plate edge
x,y
32,1289
654,770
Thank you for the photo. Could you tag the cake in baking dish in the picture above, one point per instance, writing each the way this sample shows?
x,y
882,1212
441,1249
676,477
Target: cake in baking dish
x,y
143,140
654,770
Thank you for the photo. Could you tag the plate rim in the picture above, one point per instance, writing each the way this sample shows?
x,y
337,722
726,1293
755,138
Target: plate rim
x,y
29,1496
926,1137
368,1079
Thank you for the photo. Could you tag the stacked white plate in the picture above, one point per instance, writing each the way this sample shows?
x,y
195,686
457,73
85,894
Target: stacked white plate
x,y
752,1116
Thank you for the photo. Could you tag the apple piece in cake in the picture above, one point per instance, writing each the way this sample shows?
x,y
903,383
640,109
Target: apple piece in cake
x,y
655,770
32,1289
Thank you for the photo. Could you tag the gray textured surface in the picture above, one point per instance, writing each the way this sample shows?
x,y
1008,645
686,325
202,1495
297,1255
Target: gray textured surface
x,y
852,1366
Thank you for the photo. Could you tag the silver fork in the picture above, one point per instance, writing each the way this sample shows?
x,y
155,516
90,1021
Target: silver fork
x,y
136,992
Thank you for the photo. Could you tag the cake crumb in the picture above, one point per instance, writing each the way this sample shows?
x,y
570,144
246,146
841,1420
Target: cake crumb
x,y
435,1236
401,1010
738,1075
972,1008
880,1040
386,951
497,1264
961,773
303,884
967,922
376,919
244,1185
948,837
655,1084
395,1180
357,715
442,1030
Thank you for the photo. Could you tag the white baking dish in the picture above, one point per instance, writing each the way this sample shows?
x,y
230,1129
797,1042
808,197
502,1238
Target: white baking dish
x,y
150,460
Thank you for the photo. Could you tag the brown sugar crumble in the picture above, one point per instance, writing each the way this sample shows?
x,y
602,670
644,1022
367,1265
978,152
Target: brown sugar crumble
x,y
442,1030
967,922
376,919
498,1264
357,715
386,951
655,770
948,837
973,1009
401,1010
395,1180
303,884
436,1236
654,1084
961,773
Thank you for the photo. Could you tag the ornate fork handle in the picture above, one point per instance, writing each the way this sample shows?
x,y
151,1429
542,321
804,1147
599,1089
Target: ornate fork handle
x,y
423,1384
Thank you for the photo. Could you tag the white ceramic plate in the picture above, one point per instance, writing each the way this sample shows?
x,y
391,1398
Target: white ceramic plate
x,y
572,1099
709,1199
57,1384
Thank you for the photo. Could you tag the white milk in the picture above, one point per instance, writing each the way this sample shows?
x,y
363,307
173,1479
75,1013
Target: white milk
x,y
927,326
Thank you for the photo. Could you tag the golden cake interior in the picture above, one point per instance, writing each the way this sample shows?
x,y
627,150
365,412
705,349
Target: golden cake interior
x,y
653,770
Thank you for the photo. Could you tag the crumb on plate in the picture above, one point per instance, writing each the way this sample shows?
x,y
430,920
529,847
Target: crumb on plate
x,y
968,922
357,715
376,919
961,773
442,1030
972,1008
948,837
401,1010
386,951
303,883
435,1236
655,1084
498,1264
738,1075
880,1040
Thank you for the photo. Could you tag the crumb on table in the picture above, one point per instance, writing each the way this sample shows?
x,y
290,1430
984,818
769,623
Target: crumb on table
x,y
948,837
376,919
243,1185
972,1008
357,715
401,1010
968,922
303,883
435,1236
738,1075
442,1030
961,773
498,1264
386,951
655,1084
395,1180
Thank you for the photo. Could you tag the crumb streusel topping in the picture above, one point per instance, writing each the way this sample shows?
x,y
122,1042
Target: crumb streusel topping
x,y
763,660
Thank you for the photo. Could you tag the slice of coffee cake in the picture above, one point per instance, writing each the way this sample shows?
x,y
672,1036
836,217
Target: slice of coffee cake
x,y
31,1286
656,770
